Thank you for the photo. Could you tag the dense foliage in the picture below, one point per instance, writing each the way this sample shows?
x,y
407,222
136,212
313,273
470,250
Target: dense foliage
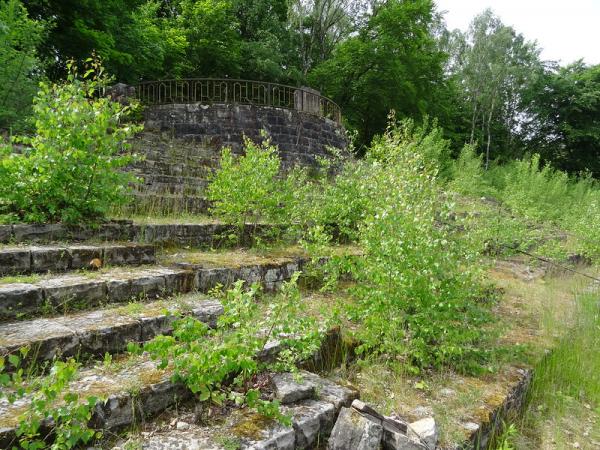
x,y
416,297
20,67
69,170
487,86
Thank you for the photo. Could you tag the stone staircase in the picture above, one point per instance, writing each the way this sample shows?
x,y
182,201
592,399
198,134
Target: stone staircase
x,y
51,304
174,174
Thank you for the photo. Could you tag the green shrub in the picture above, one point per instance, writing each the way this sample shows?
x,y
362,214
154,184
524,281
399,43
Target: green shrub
x,y
248,189
216,364
71,170
534,192
418,297
468,176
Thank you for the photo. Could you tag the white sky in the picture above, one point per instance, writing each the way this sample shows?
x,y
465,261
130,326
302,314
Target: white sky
x,y
566,30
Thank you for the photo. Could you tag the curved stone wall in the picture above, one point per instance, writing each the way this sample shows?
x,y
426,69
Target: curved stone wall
x,y
300,136
182,143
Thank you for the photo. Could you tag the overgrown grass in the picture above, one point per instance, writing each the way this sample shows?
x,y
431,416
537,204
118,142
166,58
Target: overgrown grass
x,y
563,408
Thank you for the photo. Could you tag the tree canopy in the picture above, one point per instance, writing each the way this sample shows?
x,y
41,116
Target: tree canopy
x,y
486,86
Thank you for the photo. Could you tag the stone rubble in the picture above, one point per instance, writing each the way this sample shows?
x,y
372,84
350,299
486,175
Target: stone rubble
x,y
362,427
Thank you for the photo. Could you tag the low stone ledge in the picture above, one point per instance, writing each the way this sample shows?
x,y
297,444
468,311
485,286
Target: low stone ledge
x,y
194,234
39,259
68,292
99,332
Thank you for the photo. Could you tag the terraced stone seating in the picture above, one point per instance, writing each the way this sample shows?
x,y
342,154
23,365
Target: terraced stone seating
x,y
59,314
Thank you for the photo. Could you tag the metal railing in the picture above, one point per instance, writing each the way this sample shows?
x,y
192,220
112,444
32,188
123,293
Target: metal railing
x,y
246,92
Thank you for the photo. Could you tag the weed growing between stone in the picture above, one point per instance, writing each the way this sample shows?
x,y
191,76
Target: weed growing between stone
x,y
218,365
52,409
71,170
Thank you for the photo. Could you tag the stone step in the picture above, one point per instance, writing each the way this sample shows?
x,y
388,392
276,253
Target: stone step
x,y
28,259
102,331
59,294
135,388
165,204
199,168
169,189
181,234
312,416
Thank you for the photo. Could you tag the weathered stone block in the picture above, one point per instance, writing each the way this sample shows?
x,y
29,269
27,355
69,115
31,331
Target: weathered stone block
x,y
119,290
18,299
290,388
50,337
5,233
331,392
352,431
312,421
398,441
50,259
82,255
39,232
14,260
424,430
111,334
76,292
151,286
129,254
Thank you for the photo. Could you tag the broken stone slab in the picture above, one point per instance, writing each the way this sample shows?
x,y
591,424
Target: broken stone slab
x,y
426,431
388,423
312,421
330,391
354,431
398,441
291,387
396,434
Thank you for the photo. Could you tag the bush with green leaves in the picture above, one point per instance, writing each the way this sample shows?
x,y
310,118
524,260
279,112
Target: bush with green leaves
x,y
71,169
247,188
217,364
56,417
418,294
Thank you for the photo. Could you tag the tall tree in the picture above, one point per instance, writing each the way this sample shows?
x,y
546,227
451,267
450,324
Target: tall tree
x,y
494,64
393,62
320,25
20,67
563,117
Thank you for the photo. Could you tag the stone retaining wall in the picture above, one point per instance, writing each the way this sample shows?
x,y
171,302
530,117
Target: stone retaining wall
x,y
300,137
181,145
